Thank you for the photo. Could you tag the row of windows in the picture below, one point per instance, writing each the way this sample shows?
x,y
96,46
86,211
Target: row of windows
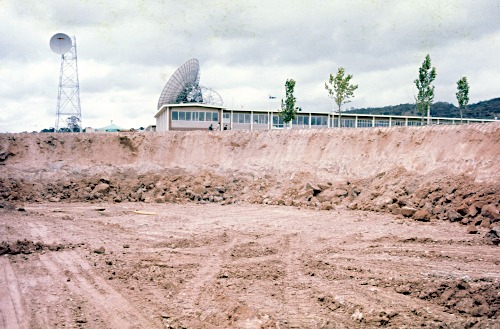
x,y
194,116
301,120
381,123
345,123
245,118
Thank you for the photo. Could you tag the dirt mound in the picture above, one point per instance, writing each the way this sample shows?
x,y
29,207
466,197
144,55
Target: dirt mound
x,y
28,247
426,173
478,299
333,154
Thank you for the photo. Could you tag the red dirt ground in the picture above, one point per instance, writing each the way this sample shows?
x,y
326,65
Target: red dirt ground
x,y
336,228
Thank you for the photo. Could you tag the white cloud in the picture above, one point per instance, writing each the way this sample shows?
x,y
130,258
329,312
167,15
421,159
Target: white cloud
x,y
246,49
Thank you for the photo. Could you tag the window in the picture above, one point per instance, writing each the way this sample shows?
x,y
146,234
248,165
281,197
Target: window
x,y
381,123
301,120
260,119
175,115
363,123
201,116
182,115
226,115
349,123
317,120
188,116
277,121
215,116
241,117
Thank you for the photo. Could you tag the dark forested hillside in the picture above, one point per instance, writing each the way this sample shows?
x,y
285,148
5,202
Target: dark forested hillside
x,y
482,110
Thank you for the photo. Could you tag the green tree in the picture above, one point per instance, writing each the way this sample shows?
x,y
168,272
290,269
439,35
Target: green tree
x,y
340,89
462,95
426,75
288,109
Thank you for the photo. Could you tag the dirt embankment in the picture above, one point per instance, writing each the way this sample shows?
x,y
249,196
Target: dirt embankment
x,y
440,172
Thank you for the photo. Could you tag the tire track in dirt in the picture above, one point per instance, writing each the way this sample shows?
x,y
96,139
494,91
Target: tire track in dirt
x,y
113,308
12,312
192,295
296,305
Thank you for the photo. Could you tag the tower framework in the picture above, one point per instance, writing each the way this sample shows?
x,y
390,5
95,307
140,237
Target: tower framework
x,y
69,113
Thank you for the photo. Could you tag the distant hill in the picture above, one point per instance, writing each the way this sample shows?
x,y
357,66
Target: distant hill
x,y
482,110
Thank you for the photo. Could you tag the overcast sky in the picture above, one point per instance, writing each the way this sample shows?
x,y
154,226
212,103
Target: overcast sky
x,y
246,49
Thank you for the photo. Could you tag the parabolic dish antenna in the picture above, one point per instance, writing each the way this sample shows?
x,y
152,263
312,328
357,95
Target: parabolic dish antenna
x,y
60,43
211,97
183,85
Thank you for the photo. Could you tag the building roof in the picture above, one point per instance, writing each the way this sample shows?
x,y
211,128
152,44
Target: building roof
x,y
111,128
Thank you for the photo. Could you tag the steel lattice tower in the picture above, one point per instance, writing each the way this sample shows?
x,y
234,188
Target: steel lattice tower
x,y
69,113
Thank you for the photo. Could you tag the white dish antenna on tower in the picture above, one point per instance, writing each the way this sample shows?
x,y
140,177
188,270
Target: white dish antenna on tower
x,y
60,43
68,95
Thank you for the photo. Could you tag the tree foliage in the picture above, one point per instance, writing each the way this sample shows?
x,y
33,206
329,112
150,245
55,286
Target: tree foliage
x,y
462,94
340,89
426,75
73,124
288,108
488,109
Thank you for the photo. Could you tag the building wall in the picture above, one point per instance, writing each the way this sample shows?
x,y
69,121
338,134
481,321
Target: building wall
x,y
176,117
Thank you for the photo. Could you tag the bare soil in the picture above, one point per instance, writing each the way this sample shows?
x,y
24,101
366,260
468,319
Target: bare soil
x,y
338,228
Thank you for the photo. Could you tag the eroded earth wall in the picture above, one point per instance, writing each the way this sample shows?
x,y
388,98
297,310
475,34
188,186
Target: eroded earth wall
x,y
435,172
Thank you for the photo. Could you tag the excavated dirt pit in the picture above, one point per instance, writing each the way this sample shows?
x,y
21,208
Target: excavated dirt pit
x,y
291,229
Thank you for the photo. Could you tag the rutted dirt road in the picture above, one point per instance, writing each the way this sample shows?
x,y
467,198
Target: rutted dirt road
x,y
242,266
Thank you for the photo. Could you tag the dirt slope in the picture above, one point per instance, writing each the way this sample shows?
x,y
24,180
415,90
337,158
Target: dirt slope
x,y
333,154
448,172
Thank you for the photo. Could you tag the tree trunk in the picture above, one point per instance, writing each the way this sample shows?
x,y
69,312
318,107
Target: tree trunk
x,y
340,116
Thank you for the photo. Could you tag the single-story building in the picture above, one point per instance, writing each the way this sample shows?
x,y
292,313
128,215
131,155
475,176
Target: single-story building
x,y
198,116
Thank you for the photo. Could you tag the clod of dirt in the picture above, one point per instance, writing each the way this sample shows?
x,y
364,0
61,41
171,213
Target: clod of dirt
x,y
7,205
28,247
493,236
472,229
100,250
5,155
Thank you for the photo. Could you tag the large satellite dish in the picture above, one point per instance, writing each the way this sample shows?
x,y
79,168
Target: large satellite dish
x,y
184,81
184,87
60,43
